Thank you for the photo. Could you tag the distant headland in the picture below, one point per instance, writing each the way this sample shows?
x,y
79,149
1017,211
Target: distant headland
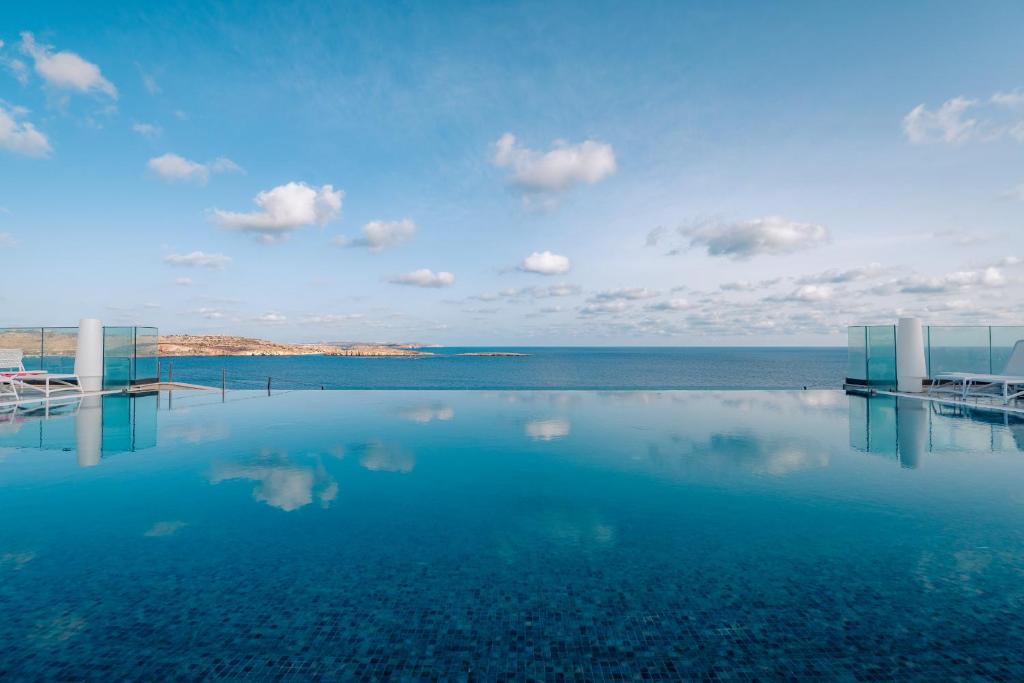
x,y
218,345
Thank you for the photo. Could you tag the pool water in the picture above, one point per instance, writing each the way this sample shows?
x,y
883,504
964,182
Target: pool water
x,y
511,535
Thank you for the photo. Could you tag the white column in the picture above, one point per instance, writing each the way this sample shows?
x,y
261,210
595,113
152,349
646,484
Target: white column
x,y
910,366
89,355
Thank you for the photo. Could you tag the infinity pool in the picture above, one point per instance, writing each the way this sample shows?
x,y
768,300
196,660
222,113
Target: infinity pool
x,y
548,535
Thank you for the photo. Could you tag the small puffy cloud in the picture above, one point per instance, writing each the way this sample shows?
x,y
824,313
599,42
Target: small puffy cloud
x,y
21,137
1013,98
986,278
147,130
283,209
741,240
197,259
17,67
625,294
380,235
330,318
810,294
209,313
945,124
655,236
738,286
556,170
670,305
545,263
378,457
66,70
424,277
835,277
183,281
272,318
600,307
172,167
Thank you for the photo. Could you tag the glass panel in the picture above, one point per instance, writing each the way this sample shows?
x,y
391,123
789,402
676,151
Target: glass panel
x,y
958,349
1003,339
146,345
857,355
882,425
59,346
118,356
28,339
881,352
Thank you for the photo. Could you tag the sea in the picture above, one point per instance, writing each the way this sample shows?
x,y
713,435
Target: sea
x,y
587,368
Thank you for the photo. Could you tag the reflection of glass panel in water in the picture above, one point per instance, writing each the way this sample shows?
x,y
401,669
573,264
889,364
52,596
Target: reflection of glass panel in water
x,y
1003,339
146,347
59,346
118,356
882,425
857,355
129,422
28,339
117,424
958,349
144,408
858,412
955,428
881,352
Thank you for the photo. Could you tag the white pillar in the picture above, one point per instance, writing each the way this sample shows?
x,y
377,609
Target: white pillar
x,y
910,367
89,355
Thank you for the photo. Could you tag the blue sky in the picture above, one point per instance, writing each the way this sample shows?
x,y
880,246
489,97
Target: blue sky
x,y
512,173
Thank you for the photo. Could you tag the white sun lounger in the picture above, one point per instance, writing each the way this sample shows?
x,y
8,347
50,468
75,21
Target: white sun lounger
x,y
1009,382
16,380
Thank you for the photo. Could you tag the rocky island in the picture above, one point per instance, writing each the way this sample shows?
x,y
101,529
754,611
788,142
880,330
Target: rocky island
x,y
218,345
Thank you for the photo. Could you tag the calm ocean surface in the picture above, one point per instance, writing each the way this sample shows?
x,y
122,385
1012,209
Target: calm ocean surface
x,y
619,368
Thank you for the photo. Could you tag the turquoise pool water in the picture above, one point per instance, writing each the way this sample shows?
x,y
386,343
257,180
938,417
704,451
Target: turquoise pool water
x,y
488,535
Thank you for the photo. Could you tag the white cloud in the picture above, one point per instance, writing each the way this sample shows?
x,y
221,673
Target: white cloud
x,y
671,305
381,458
147,130
834,277
17,67
330,318
183,281
7,240
545,263
21,137
66,70
172,167
209,313
284,487
625,294
946,124
198,259
603,307
557,169
745,239
987,278
379,235
272,318
1014,98
810,293
558,290
738,286
284,209
424,277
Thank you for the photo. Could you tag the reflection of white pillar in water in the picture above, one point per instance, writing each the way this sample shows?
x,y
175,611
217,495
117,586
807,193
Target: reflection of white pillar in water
x,y
89,431
911,431
89,354
910,367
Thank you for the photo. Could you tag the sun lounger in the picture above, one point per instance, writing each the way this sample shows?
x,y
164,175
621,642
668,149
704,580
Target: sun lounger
x,y
1009,383
16,380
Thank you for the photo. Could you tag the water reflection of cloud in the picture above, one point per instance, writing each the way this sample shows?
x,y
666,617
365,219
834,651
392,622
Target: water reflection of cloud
x,y
166,528
427,413
548,429
379,457
743,451
565,526
281,484
195,432
15,561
